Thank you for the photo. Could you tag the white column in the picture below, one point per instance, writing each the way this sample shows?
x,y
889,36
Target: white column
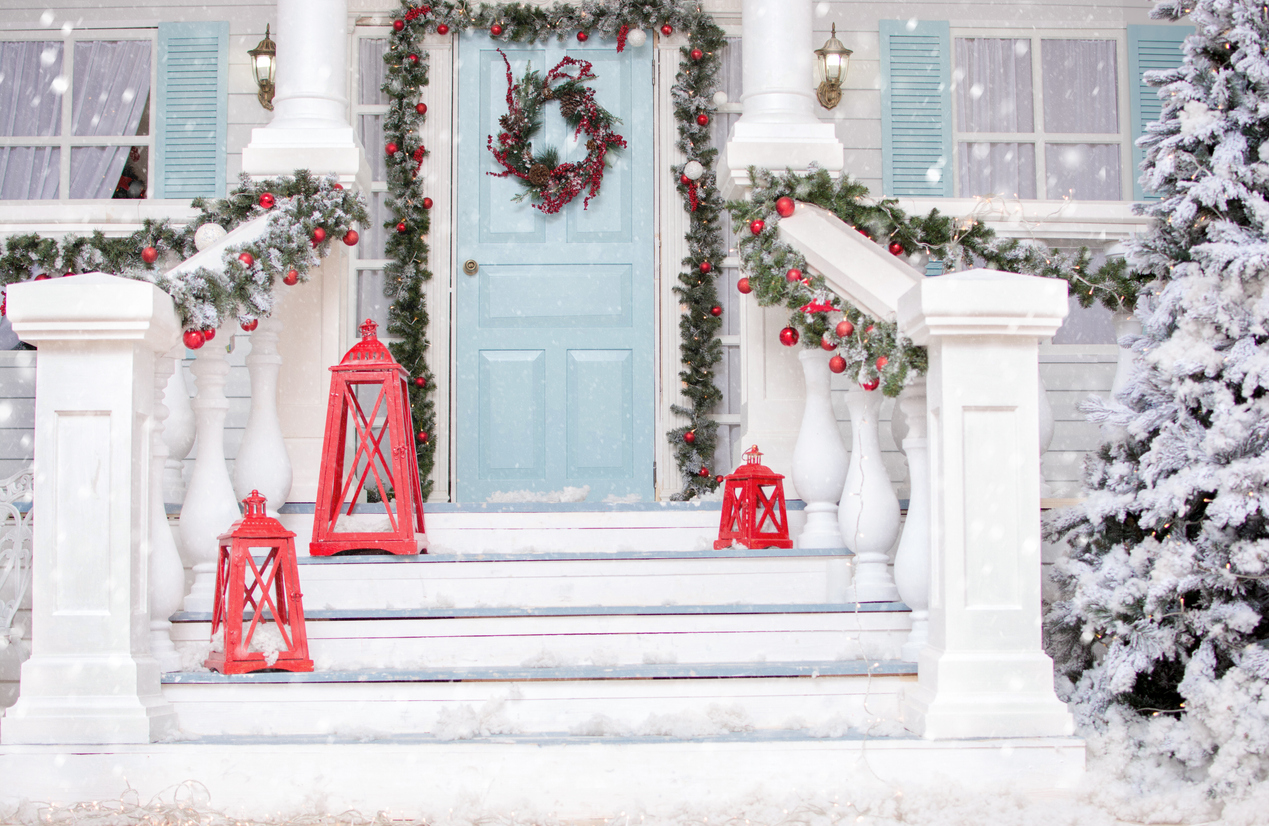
x,y
819,457
984,672
1126,324
167,574
780,126
263,463
1047,427
868,514
210,507
310,128
178,430
912,559
91,678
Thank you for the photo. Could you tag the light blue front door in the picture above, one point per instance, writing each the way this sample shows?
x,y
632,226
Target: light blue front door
x,y
554,334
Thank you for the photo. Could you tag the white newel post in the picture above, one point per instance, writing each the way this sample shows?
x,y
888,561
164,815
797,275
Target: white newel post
x,y
167,574
912,559
819,457
91,678
984,672
178,430
868,514
1047,428
210,507
263,463
1126,324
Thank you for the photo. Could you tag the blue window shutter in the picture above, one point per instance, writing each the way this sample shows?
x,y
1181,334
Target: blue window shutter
x,y
916,107
193,110
1149,48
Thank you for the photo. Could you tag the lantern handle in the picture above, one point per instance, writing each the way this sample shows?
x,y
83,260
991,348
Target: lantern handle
x,y
753,456
254,504
367,329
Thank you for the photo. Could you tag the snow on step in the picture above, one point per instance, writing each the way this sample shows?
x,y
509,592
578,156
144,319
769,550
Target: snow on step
x,y
599,636
815,699
572,579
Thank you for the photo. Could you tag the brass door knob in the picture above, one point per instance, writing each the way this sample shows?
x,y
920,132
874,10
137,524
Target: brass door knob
x,y
471,267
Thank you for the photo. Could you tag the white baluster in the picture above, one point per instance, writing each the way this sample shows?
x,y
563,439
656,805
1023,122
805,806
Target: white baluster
x,y
167,574
819,458
178,430
1126,324
210,507
912,560
1047,428
263,463
869,511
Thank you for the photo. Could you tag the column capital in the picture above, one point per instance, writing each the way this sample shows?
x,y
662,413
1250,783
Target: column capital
x,y
94,307
983,302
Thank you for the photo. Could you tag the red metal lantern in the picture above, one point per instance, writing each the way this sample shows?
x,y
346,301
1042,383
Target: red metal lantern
x,y
385,456
257,584
753,507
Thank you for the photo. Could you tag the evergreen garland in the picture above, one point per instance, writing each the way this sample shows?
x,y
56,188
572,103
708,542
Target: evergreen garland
x,y
208,296
406,62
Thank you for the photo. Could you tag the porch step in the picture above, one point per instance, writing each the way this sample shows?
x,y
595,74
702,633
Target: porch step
x,y
341,640
830,698
576,578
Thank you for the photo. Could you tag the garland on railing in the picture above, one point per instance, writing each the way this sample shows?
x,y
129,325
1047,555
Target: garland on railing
x,y
872,350
407,74
307,213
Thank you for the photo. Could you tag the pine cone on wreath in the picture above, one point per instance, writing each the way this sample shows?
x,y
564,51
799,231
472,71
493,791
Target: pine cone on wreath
x,y
539,174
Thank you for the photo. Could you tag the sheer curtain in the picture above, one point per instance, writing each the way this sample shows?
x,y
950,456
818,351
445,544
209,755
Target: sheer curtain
x,y
993,94
112,84
30,106
1081,97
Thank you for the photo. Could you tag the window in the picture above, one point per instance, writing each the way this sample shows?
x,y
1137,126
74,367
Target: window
x,y
1039,117
74,117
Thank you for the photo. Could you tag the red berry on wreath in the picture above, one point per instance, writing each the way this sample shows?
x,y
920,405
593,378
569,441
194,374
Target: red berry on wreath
x,y
715,311
706,267
743,287
793,275
398,25
419,381
825,344
882,361
788,336
785,206
702,119
319,235
690,437
704,472
837,364
845,328
194,339
267,200
582,37
697,54
247,259
896,248
495,30
250,325
425,10
351,237
757,226
441,28
391,148
870,385
427,203
209,334
401,227
413,58
421,108
291,278
667,30
149,255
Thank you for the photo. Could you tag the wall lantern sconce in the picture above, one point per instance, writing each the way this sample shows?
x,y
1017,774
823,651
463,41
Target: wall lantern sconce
x,y
264,61
834,60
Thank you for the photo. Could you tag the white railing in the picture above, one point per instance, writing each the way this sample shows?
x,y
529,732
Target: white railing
x,y
15,545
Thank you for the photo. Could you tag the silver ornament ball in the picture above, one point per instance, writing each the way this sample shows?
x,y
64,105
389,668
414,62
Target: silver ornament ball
x,y
208,234
636,37
720,98
693,170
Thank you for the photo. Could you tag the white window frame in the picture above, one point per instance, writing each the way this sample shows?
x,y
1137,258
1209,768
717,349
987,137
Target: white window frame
x,y
66,141
1039,138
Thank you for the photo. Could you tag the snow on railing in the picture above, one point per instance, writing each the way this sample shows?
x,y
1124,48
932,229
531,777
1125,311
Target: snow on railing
x,y
15,545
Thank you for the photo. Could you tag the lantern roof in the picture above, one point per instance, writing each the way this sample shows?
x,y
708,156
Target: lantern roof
x,y
370,352
752,467
256,523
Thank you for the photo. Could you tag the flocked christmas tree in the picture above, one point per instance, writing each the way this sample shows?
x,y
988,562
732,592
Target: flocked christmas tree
x,y
1162,625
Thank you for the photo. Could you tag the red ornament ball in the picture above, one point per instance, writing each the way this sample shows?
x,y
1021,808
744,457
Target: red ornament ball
x,y
209,333
194,339
706,267
398,25
825,344
785,206
582,37
391,148
788,336
704,472
690,437
715,311
149,255
69,274
757,226
419,381
882,361
495,30
413,58
667,30
793,275
896,248
401,227
421,108
870,385
686,181
837,364
845,328
267,200
743,286
422,435
427,203
291,278
339,186
697,54
870,328
251,325
319,235
247,259
351,237
42,277
719,479
702,119
441,28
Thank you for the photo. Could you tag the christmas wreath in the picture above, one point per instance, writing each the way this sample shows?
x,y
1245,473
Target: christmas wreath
x,y
544,177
